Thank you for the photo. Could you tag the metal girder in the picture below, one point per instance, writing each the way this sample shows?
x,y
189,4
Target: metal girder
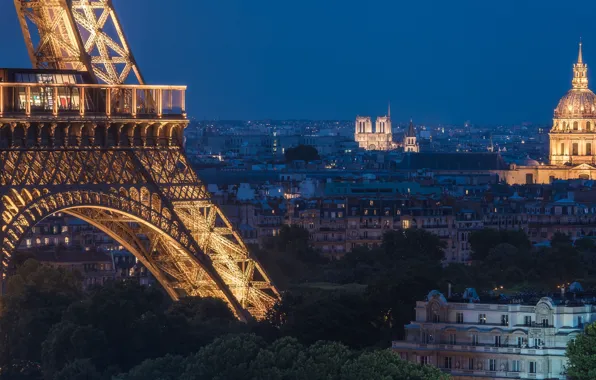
x,y
78,35
192,247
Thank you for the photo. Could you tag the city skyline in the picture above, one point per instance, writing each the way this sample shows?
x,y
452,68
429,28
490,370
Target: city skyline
x,y
436,63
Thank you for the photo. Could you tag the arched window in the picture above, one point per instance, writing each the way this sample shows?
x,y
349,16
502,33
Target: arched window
x,y
575,125
588,126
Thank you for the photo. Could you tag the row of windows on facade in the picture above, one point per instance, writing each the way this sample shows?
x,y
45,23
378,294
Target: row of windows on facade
x,y
47,241
473,364
93,267
56,229
405,224
498,341
575,150
576,126
96,280
459,318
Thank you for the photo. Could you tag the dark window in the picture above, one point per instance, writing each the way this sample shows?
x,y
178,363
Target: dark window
x,y
504,319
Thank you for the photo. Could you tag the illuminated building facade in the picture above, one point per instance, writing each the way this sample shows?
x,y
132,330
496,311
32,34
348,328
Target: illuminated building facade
x,y
379,138
572,137
523,338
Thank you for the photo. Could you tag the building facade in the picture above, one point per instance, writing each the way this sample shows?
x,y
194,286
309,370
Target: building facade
x,y
379,138
500,339
572,137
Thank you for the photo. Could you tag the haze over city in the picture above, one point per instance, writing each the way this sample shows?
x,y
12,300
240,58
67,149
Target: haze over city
x,y
491,62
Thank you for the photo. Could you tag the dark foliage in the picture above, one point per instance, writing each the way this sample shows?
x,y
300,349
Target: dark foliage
x,y
302,152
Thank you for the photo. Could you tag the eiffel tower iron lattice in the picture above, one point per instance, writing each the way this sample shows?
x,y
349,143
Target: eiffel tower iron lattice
x,y
112,155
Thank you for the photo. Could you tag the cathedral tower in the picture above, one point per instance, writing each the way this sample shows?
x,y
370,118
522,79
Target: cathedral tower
x,y
381,138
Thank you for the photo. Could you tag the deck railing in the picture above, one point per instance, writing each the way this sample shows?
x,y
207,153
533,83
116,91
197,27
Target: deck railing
x,y
121,101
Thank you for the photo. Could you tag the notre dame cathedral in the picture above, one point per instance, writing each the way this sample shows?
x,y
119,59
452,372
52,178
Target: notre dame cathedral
x,y
379,138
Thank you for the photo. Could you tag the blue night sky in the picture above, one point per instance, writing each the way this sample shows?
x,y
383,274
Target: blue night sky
x,y
493,62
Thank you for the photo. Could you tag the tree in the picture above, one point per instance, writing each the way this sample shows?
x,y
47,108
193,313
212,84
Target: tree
x,y
581,353
169,367
560,239
302,152
227,357
36,299
68,342
81,369
385,365
198,310
332,315
585,245
123,323
483,241
413,243
248,357
289,256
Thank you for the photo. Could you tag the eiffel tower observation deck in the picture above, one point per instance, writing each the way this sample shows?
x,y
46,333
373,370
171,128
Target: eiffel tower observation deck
x,y
76,137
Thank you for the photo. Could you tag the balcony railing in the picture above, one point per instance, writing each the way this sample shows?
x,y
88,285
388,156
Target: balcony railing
x,y
91,100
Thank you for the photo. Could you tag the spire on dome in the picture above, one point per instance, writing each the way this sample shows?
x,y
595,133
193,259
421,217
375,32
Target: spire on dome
x,y
580,71
579,56
389,109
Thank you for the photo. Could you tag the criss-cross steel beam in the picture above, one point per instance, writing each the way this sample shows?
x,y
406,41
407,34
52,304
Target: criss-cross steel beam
x,y
83,35
115,162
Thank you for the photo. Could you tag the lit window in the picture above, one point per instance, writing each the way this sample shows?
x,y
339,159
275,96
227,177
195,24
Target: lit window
x,y
29,243
64,228
46,241
66,240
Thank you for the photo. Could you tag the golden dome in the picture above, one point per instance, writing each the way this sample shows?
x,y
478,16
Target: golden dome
x,y
580,101
577,103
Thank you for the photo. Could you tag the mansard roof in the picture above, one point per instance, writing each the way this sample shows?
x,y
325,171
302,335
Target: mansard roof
x,y
452,161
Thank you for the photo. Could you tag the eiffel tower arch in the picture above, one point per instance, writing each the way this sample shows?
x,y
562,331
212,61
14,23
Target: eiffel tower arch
x,y
75,139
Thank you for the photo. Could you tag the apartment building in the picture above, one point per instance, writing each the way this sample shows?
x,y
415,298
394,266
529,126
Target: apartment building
x,y
517,337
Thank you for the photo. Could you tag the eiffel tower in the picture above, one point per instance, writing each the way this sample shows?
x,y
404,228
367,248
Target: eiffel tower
x,y
77,137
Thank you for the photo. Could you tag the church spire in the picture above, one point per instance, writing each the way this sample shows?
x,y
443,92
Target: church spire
x,y
580,71
411,132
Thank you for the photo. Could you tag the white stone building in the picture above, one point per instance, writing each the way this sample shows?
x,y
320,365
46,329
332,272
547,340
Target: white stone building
x,y
507,339
379,138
